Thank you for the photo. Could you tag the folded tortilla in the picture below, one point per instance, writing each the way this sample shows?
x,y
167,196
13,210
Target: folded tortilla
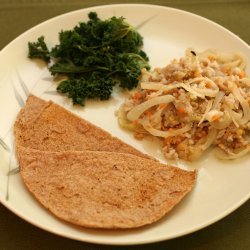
x,y
85,176
99,189
46,126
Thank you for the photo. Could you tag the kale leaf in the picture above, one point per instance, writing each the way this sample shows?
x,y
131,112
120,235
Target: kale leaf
x,y
78,89
94,55
39,50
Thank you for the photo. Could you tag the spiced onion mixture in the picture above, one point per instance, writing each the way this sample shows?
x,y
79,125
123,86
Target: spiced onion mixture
x,y
195,102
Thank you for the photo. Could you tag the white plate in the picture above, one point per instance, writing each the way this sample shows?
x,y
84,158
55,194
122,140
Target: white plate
x,y
221,187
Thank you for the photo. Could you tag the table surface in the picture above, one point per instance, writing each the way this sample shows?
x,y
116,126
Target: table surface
x,y
231,232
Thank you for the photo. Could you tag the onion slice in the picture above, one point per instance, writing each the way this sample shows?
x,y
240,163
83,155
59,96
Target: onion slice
x,y
236,117
123,121
159,133
209,106
135,112
244,105
232,156
211,91
211,136
218,99
224,123
163,87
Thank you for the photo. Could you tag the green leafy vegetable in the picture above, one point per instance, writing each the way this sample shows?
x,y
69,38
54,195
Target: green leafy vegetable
x,y
94,86
94,55
39,50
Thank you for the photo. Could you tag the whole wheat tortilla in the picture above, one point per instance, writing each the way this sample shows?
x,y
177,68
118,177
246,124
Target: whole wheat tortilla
x,y
87,177
103,189
46,126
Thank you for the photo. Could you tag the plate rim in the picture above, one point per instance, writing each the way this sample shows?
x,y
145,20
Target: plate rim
x,y
109,241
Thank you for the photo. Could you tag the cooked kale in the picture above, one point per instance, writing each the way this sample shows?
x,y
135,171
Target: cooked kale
x,y
94,55
81,88
39,50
